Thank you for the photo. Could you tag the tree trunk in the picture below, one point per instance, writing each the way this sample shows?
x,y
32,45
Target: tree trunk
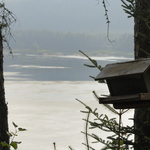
x,y
142,29
142,50
3,106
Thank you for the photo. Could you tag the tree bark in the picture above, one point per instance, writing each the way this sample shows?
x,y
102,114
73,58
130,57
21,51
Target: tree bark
x,y
3,106
142,50
142,29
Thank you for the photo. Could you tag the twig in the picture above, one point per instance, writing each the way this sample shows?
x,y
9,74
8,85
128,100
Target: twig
x,y
86,131
54,145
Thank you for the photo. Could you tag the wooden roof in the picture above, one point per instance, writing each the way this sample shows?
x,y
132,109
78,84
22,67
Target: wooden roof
x,y
122,69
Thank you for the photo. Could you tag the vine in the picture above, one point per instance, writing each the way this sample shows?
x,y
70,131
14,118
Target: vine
x,y
107,19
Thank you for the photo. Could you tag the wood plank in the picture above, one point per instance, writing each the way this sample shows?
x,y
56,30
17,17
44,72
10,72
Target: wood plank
x,y
144,96
132,105
118,99
123,69
125,98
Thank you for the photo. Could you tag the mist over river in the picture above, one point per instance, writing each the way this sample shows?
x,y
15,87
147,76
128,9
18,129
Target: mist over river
x,y
53,67
41,93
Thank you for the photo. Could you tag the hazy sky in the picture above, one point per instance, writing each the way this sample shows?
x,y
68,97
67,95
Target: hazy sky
x,y
69,15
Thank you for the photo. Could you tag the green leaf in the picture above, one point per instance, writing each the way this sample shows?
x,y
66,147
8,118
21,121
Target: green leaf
x,y
14,145
101,81
111,109
22,129
100,67
92,77
84,112
13,134
89,66
89,108
14,125
10,134
121,142
95,137
94,62
5,144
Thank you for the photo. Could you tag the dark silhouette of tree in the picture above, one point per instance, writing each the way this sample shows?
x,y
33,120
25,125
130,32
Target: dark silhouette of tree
x,y
142,50
140,10
6,19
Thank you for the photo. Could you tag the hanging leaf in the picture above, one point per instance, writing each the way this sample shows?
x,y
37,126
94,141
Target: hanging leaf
x,y
14,125
10,134
13,134
14,145
94,62
101,81
89,66
129,7
22,129
92,77
5,144
89,108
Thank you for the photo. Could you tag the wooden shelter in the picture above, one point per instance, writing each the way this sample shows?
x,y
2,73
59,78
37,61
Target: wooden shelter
x,y
128,84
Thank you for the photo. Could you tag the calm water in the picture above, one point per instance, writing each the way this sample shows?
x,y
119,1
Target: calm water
x,y
52,68
42,101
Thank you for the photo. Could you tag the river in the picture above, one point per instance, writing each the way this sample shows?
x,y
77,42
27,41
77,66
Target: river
x,y
42,98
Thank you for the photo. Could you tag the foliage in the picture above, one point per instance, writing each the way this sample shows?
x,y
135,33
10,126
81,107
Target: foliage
x,y
140,10
129,7
119,136
94,64
55,148
13,144
7,18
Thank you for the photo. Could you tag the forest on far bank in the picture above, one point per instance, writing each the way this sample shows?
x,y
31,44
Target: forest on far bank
x,y
69,43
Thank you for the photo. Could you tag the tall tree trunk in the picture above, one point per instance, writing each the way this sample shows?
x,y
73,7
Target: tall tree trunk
x,y
3,106
142,50
142,29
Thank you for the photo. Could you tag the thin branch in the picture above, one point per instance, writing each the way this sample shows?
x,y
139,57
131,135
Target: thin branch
x,y
107,20
54,145
86,131
7,18
89,147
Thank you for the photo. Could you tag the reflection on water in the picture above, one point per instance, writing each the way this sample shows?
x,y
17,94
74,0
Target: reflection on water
x,y
53,68
41,93
36,66
50,112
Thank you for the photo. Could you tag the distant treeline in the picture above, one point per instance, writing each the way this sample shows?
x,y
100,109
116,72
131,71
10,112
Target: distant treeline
x,y
50,42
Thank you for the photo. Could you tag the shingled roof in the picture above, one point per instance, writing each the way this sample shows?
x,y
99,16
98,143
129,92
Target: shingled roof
x,y
123,69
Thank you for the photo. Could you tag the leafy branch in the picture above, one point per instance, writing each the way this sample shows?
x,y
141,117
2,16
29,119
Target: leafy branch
x,y
12,135
129,6
94,63
7,18
120,135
